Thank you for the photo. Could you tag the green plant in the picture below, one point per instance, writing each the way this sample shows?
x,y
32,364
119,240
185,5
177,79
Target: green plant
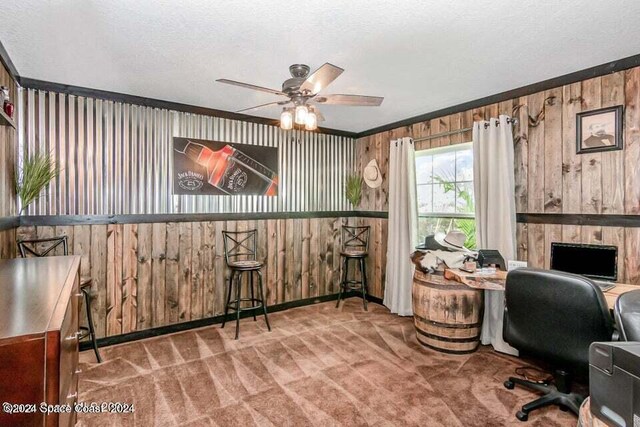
x,y
33,176
468,227
465,198
353,189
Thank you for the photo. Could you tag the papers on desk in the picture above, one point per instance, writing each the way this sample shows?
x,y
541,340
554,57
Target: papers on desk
x,y
494,282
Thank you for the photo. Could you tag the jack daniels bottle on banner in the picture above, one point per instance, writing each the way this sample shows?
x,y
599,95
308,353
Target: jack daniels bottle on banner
x,y
231,171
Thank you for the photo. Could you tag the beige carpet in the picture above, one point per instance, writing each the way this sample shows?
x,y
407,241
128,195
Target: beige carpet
x,y
319,366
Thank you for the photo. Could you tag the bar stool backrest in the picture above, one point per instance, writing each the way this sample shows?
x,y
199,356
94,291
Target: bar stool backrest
x,y
355,239
42,247
239,246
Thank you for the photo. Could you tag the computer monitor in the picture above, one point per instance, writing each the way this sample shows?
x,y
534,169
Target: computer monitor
x,y
592,261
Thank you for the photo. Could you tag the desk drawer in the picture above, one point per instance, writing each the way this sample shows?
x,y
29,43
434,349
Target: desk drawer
x,y
68,419
69,348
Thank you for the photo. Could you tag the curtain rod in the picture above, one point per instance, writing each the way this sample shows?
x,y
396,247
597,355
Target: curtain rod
x,y
454,132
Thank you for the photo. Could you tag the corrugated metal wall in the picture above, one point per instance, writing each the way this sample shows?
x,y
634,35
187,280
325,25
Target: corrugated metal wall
x,y
116,159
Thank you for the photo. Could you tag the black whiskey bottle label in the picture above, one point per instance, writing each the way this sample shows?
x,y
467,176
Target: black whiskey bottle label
x,y
245,175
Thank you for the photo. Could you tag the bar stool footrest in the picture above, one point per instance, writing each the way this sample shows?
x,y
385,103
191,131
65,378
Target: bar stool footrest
x,y
233,305
352,286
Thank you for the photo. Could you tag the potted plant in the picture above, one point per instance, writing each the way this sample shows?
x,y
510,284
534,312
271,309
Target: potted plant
x,y
33,176
353,189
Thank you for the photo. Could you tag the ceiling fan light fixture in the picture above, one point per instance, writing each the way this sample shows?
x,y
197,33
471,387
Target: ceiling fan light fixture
x,y
311,121
303,88
301,114
286,119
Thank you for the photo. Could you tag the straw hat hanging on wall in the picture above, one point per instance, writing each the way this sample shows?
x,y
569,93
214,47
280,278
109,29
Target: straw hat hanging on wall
x,y
372,175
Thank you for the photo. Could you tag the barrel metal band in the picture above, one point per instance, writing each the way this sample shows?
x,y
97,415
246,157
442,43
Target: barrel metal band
x,y
446,350
448,325
447,339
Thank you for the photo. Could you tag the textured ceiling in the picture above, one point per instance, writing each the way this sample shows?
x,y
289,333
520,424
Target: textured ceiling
x,y
420,55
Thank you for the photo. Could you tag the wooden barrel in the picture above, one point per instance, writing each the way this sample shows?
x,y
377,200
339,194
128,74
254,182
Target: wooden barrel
x,y
447,314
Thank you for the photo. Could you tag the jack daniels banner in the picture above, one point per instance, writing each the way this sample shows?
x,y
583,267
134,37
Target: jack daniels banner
x,y
204,167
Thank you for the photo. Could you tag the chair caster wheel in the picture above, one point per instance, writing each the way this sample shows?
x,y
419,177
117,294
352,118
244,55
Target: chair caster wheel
x,y
522,416
509,385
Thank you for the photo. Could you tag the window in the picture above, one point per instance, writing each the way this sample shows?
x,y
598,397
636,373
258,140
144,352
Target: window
x,y
445,191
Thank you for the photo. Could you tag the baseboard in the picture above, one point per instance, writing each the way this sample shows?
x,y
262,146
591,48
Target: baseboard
x,y
193,324
373,299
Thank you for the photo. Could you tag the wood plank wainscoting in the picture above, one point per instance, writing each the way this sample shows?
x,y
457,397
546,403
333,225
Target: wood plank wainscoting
x,y
8,152
8,248
550,177
153,274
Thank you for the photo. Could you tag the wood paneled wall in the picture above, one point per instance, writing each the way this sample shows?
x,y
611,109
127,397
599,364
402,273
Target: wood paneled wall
x,y
8,152
149,275
550,177
8,248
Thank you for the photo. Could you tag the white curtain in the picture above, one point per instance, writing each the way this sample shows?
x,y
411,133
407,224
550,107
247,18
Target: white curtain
x,y
494,189
403,226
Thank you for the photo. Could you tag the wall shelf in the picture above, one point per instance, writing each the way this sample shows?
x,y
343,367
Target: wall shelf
x,y
5,120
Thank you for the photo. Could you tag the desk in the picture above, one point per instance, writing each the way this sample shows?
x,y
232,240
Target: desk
x,y
39,337
451,322
612,294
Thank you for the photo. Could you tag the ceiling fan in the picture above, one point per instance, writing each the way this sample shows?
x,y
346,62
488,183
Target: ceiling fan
x,y
302,91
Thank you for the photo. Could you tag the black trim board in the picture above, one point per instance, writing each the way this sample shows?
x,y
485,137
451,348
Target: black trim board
x,y
41,220
630,221
8,64
158,103
9,222
373,299
588,73
193,324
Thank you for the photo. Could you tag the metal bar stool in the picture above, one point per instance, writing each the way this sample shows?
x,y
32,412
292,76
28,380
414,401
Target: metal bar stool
x,y
44,247
355,246
240,256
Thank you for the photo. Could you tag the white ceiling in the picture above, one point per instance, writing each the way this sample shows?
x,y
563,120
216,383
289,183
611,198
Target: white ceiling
x,y
420,55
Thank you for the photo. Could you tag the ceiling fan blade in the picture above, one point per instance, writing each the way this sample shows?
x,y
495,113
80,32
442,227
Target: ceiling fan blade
x,y
320,116
263,105
353,100
250,86
321,78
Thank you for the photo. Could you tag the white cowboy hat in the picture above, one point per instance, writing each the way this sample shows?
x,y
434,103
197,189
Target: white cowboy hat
x,y
453,240
372,175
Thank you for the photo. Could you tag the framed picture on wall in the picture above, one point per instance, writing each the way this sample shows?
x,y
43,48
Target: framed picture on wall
x,y
203,167
599,130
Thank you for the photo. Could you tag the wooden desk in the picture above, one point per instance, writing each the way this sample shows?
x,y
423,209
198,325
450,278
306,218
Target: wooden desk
x,y
39,308
612,294
448,314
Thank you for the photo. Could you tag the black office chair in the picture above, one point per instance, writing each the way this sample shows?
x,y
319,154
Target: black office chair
x,y
47,246
627,314
554,317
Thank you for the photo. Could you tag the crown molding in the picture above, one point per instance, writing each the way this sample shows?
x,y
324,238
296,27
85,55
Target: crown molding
x,y
158,103
587,73
8,64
